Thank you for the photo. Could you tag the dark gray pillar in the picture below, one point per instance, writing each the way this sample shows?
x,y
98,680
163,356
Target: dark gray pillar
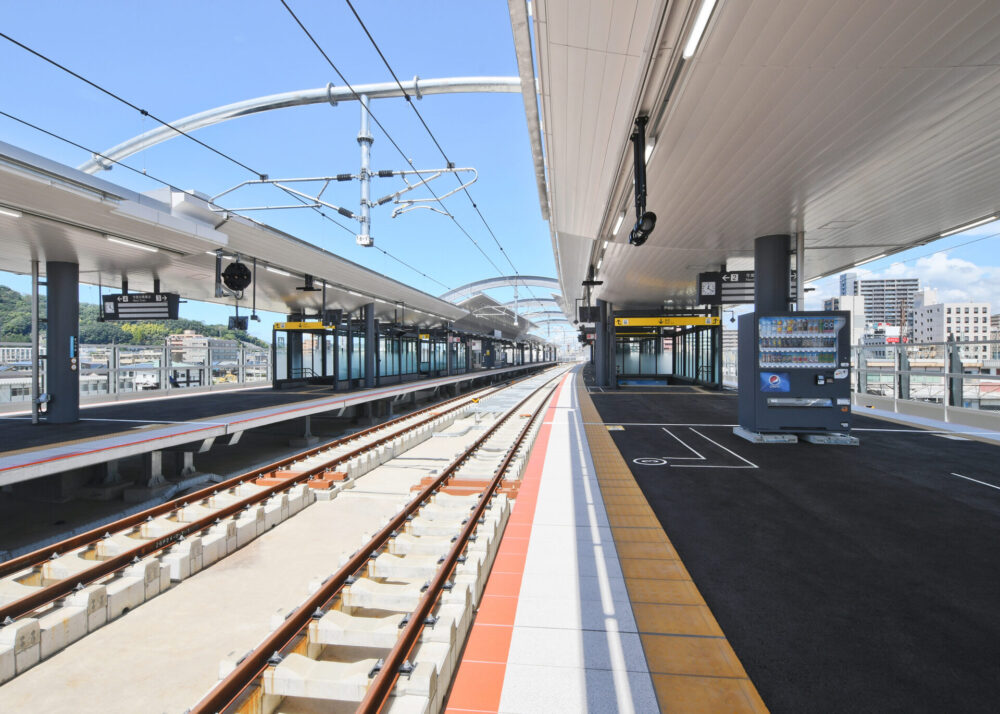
x,y
956,391
371,344
350,355
448,353
771,273
601,346
63,349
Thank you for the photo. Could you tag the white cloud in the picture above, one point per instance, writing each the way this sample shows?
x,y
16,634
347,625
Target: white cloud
x,y
955,279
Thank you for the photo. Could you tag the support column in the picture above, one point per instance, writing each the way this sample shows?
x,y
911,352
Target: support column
x,y
601,345
771,271
371,344
488,355
62,361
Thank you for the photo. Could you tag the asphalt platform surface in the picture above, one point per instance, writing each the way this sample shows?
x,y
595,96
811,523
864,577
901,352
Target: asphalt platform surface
x,y
848,579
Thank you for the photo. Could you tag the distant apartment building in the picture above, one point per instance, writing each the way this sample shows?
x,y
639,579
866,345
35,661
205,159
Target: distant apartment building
x,y
936,321
888,301
995,335
854,304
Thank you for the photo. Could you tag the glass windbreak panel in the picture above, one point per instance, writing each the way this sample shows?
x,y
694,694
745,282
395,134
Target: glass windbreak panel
x,y
665,360
328,345
631,362
341,356
358,358
647,356
425,355
793,342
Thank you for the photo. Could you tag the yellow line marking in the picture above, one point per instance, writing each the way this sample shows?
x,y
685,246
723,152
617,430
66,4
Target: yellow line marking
x,y
693,666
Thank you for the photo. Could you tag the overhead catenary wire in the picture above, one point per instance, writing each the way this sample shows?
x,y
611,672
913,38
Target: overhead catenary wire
x,y
126,102
192,194
388,136
262,176
444,155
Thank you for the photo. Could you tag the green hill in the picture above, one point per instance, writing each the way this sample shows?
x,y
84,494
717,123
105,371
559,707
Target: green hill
x,y
15,325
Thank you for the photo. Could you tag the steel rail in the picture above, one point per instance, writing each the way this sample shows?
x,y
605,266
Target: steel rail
x,y
221,697
23,606
380,689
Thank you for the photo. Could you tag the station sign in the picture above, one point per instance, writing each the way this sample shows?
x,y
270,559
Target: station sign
x,y
424,336
733,287
140,306
687,321
307,325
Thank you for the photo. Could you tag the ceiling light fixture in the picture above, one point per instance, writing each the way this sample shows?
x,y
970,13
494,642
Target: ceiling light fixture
x,y
650,147
700,23
618,223
967,226
278,271
605,247
131,244
9,212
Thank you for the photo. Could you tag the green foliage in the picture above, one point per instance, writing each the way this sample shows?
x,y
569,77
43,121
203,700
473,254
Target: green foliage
x,y
15,325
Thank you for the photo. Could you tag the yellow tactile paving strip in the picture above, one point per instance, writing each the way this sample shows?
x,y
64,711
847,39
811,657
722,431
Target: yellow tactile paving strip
x,y
694,669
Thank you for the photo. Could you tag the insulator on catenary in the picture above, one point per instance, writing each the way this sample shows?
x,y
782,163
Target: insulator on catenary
x,y
386,173
345,212
384,199
344,177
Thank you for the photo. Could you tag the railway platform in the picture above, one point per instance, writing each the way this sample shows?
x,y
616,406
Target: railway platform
x,y
650,560
191,423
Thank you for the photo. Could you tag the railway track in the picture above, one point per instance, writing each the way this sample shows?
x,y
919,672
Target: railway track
x,y
426,568
64,592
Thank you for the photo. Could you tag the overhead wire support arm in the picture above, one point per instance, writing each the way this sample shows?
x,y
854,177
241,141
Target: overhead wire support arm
x,y
411,204
310,201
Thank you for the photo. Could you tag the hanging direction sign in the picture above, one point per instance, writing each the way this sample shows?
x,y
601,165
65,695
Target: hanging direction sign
x,y
733,287
140,306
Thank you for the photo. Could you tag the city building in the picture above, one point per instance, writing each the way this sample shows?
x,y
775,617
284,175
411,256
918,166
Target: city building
x,y
953,321
887,300
854,304
875,342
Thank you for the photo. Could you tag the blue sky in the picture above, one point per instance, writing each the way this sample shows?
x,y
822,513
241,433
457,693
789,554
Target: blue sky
x,y
183,57
179,58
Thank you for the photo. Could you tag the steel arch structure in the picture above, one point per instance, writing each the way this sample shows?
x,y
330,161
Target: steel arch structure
x,y
504,281
321,95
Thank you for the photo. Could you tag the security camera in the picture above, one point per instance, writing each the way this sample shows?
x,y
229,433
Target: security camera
x,y
643,227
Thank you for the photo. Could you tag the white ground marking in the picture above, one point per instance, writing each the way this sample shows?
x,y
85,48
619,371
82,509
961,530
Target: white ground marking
x,y
751,464
982,483
687,446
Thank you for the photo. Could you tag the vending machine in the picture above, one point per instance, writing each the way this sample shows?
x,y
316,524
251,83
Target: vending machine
x,y
795,372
